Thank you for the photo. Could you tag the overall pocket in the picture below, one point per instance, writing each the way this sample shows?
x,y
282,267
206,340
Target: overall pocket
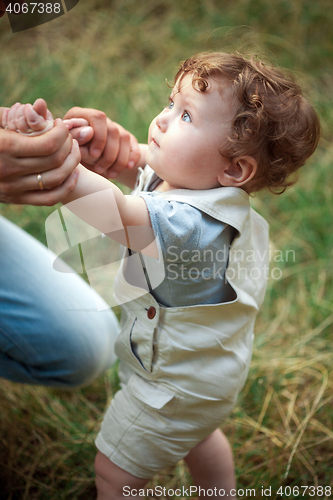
x,y
149,392
135,344
141,338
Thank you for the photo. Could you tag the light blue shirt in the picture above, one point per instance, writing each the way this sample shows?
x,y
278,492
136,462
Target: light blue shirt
x,y
195,249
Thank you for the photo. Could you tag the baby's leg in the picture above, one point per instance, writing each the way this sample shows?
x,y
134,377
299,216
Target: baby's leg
x,y
211,464
27,119
111,480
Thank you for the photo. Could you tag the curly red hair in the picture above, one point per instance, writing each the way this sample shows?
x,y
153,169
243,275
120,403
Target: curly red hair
x,y
273,122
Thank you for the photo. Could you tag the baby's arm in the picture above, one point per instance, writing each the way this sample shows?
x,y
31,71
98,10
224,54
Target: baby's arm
x,y
95,200
101,204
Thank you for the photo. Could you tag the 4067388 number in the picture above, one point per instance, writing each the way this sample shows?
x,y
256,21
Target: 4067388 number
x,y
30,8
309,491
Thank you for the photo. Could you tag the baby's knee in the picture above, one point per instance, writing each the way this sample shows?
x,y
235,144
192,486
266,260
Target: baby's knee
x,y
107,481
102,479
111,479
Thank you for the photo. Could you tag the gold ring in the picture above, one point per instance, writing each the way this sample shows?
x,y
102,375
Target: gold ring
x,y
40,182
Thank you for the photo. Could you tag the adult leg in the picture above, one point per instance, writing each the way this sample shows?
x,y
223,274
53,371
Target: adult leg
x,y
112,481
51,332
211,464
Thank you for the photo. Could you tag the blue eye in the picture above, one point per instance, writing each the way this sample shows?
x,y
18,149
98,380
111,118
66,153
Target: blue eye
x,y
186,117
171,104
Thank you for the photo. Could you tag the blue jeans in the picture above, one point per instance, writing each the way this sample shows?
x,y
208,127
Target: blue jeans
x,y
51,332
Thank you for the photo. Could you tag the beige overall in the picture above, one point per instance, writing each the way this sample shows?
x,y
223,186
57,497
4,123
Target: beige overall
x,y
182,368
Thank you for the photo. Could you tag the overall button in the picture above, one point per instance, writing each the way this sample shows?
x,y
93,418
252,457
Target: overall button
x,y
151,313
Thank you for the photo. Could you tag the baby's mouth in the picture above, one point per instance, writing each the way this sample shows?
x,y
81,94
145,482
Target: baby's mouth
x,y
153,140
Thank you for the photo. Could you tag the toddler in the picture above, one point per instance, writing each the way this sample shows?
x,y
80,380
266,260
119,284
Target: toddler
x,y
233,126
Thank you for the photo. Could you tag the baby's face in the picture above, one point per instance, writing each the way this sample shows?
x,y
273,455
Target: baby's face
x,y
186,138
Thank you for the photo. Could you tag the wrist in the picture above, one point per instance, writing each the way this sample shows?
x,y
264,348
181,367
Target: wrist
x,y
143,152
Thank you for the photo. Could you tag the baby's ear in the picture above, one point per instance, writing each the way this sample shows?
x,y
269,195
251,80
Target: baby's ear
x,y
240,171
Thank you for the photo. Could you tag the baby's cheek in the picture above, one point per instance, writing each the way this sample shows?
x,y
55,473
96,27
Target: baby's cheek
x,y
150,130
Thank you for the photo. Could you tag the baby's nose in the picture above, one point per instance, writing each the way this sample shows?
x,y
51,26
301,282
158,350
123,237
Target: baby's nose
x,y
161,121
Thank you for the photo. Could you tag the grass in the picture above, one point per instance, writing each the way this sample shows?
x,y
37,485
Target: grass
x,y
115,55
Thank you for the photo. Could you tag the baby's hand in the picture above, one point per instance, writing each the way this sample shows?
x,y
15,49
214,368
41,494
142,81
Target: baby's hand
x,y
80,129
24,119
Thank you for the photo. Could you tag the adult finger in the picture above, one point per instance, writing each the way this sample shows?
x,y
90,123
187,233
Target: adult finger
x,y
20,166
22,146
123,156
12,193
116,151
98,121
48,197
128,156
56,177
49,179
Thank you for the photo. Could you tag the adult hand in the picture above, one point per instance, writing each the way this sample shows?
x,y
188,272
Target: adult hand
x,y
110,150
54,155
